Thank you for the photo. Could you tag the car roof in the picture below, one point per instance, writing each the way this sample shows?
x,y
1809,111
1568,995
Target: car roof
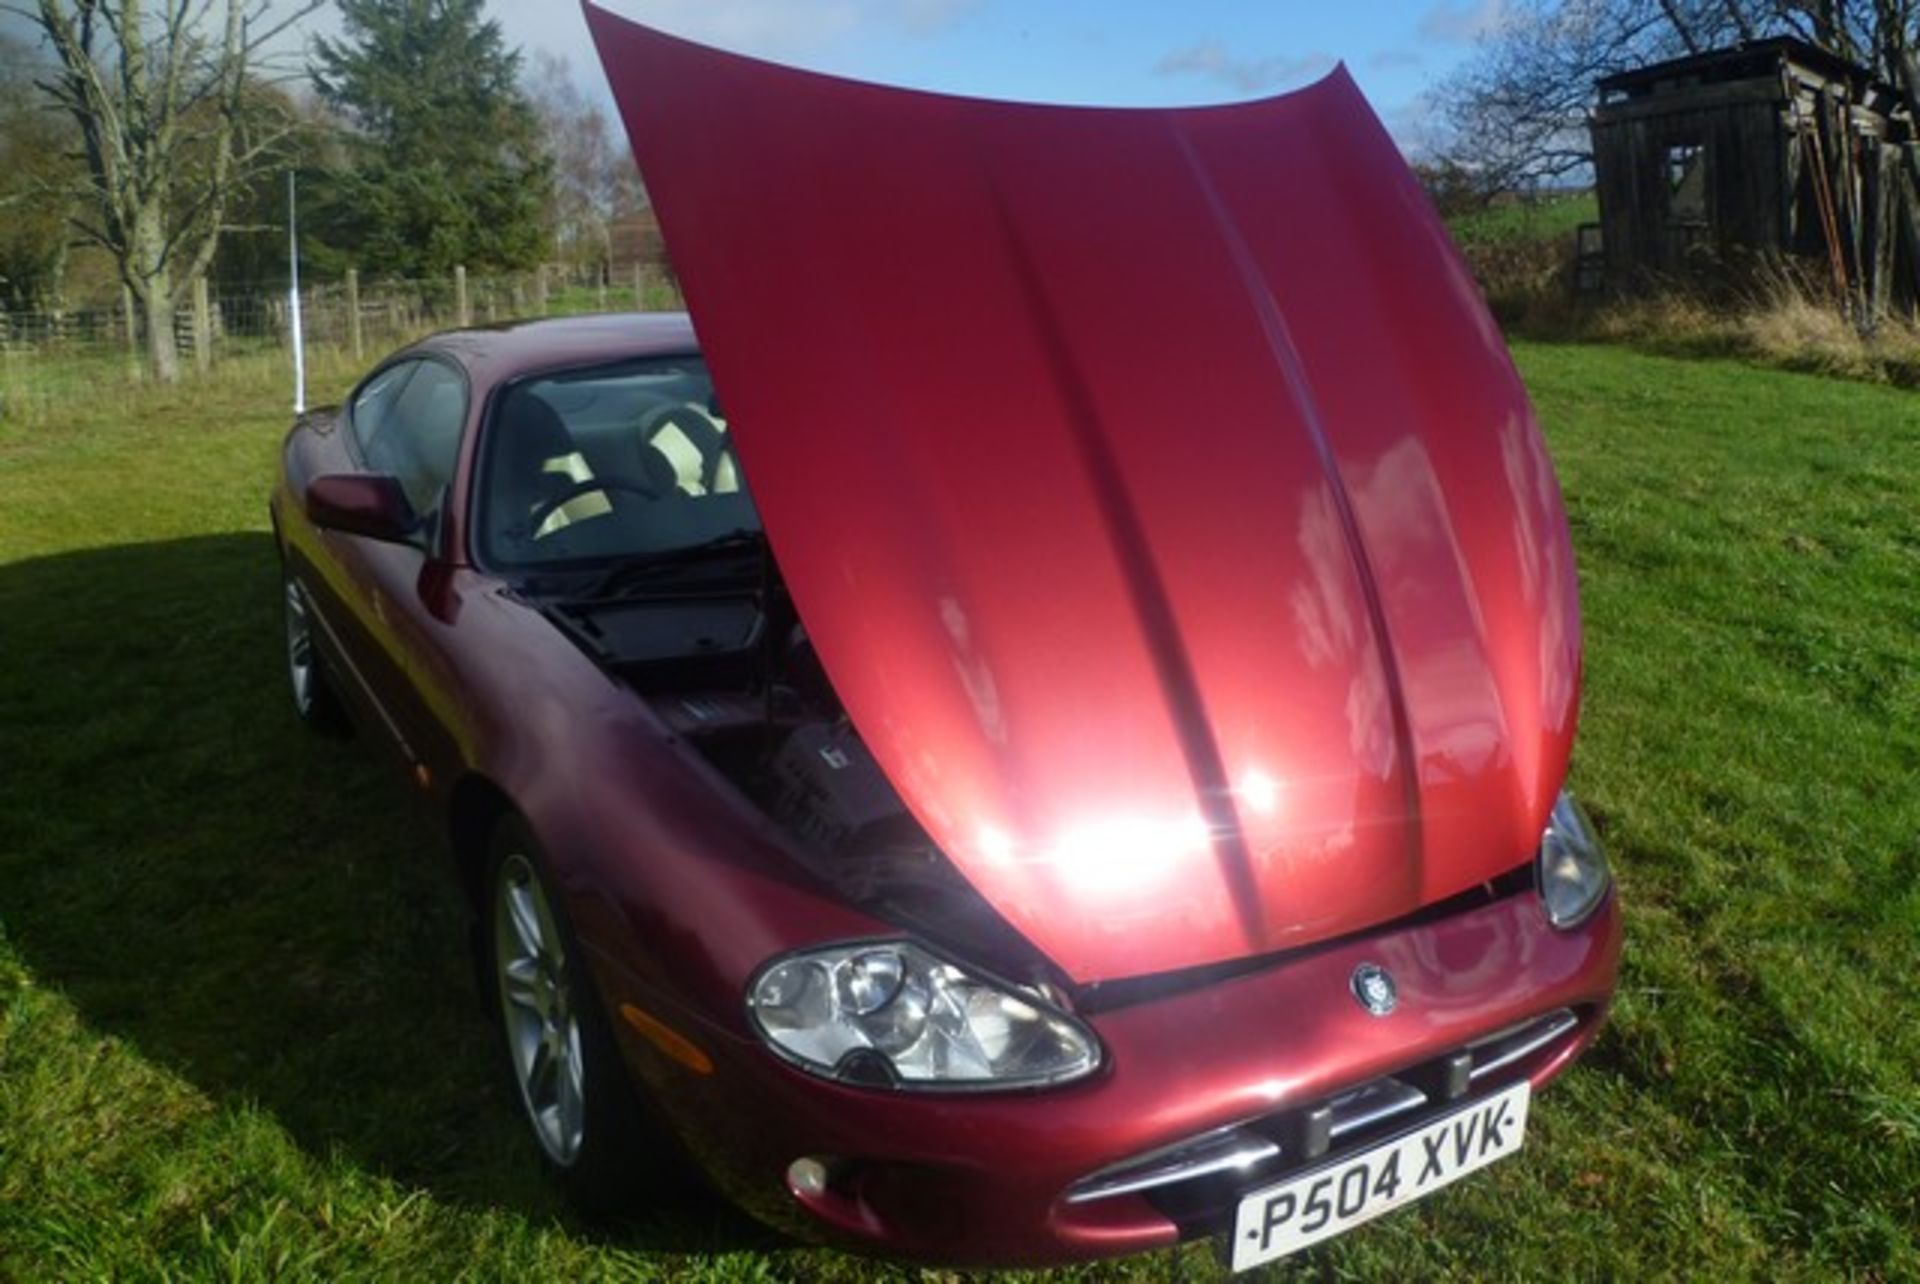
x,y
495,353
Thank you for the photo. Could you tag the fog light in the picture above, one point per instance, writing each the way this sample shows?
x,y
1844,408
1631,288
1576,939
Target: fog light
x,y
807,1178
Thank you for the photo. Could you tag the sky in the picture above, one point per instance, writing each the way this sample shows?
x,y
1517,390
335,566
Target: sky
x,y
1106,52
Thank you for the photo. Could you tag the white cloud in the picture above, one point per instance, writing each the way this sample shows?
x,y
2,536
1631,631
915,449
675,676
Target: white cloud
x,y
1395,60
1411,125
784,27
1462,21
763,26
1210,59
923,17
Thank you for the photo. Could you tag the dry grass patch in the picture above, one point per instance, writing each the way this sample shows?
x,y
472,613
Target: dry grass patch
x,y
1779,320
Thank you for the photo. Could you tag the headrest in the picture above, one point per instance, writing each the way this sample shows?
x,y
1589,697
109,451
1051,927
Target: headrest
x,y
532,432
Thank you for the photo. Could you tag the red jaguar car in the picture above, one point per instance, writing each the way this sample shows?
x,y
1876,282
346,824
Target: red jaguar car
x,y
1042,732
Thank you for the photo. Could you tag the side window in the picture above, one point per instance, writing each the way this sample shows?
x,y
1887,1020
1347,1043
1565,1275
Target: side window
x,y
417,438
374,405
1687,184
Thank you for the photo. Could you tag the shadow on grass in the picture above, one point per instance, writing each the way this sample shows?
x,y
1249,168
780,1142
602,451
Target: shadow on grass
x,y
262,911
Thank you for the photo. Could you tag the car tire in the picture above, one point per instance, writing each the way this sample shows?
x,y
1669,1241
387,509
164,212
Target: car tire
x,y
608,1151
313,698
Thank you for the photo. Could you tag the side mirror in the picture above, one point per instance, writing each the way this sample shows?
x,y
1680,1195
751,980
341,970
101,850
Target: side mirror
x,y
369,504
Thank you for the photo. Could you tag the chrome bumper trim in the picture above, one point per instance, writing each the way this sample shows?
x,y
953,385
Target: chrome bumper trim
x,y
1202,1156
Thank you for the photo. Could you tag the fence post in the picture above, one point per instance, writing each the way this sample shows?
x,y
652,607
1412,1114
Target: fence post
x,y
353,312
600,289
639,287
202,327
540,290
461,315
133,332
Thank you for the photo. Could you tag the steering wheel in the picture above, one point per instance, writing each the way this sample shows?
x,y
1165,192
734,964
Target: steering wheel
x,y
546,508
710,473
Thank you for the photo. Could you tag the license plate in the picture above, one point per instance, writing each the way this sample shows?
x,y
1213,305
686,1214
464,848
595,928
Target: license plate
x,y
1304,1210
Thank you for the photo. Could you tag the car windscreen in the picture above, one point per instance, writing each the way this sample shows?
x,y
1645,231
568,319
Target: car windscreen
x,y
608,463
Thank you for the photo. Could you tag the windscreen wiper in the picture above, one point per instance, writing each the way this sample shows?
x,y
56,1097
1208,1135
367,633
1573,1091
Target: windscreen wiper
x,y
634,570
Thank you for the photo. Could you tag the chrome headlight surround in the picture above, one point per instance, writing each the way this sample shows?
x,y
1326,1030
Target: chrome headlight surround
x,y
893,1014
1571,869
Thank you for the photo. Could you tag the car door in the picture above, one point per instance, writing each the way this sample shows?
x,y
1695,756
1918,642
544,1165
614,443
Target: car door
x,y
397,593
334,575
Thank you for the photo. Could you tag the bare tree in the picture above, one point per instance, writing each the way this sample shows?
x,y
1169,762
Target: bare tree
x,y
1516,113
595,182
169,130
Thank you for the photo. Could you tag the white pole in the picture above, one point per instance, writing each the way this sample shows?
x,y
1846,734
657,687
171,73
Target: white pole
x,y
299,344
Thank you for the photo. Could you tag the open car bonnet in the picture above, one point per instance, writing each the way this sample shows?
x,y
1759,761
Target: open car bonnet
x,y
1154,485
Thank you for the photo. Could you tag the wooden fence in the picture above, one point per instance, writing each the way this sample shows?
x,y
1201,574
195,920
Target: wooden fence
x,y
44,354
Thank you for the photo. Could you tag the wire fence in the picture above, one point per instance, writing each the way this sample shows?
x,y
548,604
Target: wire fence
x,y
54,357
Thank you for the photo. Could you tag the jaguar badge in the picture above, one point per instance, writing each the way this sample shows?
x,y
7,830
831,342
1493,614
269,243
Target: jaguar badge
x,y
1373,986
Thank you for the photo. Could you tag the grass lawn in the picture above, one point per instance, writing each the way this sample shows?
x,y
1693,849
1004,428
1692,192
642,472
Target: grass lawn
x,y
238,1034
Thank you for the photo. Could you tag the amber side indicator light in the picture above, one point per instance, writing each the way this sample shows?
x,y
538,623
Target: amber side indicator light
x,y
667,1039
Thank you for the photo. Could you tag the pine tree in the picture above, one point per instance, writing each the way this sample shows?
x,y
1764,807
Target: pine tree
x,y
446,166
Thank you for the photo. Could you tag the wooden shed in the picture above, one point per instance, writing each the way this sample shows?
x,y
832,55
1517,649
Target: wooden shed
x,y
1774,148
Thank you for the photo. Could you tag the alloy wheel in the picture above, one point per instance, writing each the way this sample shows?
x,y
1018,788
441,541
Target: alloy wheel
x,y
536,1009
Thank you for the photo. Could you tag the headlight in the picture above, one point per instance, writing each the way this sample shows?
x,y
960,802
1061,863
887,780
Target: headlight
x,y
894,1015
1573,869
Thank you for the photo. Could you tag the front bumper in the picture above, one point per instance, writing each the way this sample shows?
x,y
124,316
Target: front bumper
x,y
1005,1179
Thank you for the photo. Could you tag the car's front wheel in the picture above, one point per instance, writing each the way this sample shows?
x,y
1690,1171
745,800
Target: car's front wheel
x,y
572,1085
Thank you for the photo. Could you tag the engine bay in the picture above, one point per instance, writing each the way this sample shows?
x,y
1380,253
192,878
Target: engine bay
x,y
732,674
